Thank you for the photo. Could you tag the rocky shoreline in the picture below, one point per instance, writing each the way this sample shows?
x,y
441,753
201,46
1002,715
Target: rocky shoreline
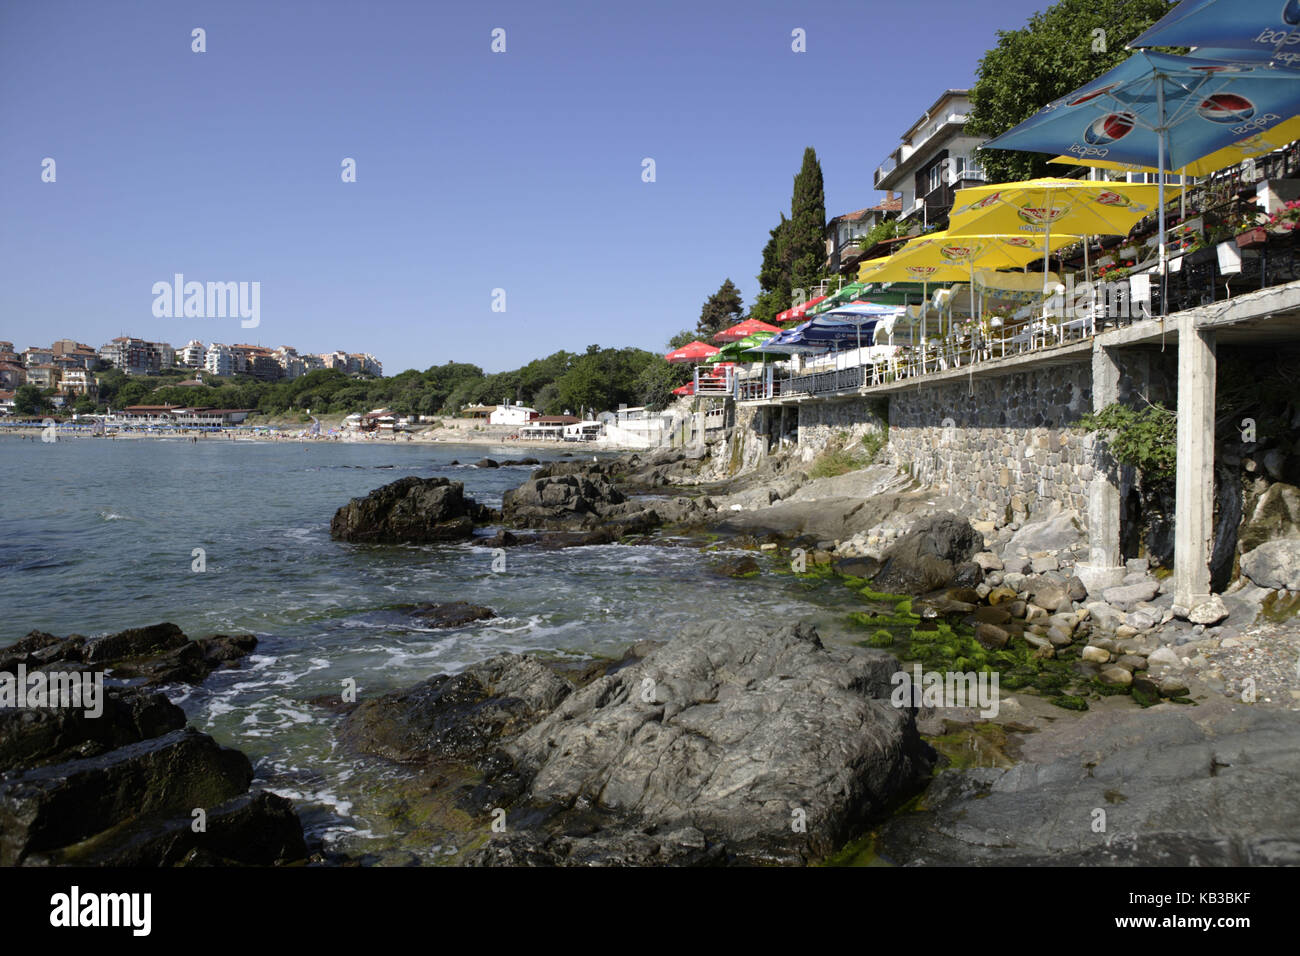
x,y
577,771
731,743
131,785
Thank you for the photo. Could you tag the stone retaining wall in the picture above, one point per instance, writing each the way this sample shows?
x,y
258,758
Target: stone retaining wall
x,y
1003,443
845,420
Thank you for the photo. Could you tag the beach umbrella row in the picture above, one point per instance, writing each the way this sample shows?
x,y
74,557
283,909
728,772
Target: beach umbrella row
x,y
1162,110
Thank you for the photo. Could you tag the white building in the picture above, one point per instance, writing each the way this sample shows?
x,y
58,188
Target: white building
x,y
512,415
937,156
193,355
219,360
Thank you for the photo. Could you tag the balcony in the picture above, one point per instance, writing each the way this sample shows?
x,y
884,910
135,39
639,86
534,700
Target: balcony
x,y
884,169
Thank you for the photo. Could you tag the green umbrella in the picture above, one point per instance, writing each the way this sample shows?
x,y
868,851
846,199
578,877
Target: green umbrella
x,y
731,352
836,298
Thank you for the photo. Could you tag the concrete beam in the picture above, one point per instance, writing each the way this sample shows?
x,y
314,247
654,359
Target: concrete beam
x,y
1194,479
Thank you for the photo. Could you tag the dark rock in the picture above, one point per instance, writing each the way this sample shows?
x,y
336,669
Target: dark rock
x,y
135,642
452,614
410,510
52,807
486,463
222,650
34,737
991,636
926,557
459,717
254,829
968,574
866,568
738,567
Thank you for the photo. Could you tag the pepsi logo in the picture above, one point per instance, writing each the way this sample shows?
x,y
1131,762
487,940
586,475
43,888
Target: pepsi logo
x,y
1109,128
1225,108
1291,13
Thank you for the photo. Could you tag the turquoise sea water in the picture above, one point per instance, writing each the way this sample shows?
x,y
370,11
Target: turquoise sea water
x,y
98,535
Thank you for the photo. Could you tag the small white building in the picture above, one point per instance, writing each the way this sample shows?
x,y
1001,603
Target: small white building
x,y
512,415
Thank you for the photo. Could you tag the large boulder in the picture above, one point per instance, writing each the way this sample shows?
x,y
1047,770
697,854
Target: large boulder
x,y
928,556
410,511
758,740
1056,533
1274,564
1276,515
575,502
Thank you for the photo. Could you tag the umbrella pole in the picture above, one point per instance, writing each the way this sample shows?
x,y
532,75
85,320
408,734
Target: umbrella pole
x,y
1160,186
925,294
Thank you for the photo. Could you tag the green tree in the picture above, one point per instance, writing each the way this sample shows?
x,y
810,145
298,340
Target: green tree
x,y
1058,50
807,229
721,310
773,275
30,400
655,383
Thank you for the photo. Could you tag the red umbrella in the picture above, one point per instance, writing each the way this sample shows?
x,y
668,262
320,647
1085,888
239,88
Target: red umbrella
x,y
743,329
797,312
691,352
687,389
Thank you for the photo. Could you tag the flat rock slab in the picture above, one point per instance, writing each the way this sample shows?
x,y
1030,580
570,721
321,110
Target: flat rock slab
x,y
1163,776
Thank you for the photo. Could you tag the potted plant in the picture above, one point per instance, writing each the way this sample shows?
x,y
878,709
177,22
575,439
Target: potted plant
x,y
1249,232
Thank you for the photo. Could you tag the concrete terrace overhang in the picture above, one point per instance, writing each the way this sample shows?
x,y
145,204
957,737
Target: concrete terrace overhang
x,y
1265,317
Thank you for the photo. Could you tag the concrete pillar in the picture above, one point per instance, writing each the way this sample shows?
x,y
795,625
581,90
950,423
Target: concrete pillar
x,y
1105,568
1194,479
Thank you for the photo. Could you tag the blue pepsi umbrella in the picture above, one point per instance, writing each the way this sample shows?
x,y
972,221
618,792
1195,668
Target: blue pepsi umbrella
x,y
1156,109
1269,26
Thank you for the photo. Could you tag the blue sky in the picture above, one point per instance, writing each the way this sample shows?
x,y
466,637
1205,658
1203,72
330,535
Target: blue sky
x,y
475,171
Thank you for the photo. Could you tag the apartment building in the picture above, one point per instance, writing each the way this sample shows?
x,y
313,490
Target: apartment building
x,y
43,376
79,381
192,355
69,351
218,360
37,356
136,356
843,233
12,375
936,157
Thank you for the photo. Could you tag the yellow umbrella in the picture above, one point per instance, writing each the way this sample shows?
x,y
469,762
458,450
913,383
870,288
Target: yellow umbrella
x,y
1260,144
1078,207
943,257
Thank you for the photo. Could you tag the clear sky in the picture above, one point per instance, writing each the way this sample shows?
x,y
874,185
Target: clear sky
x,y
475,170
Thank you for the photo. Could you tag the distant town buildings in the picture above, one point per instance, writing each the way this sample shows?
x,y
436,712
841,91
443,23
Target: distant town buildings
x,y
67,367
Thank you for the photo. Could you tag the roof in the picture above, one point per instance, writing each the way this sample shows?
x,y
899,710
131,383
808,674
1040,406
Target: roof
x,y
6,396
929,113
151,408
557,420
